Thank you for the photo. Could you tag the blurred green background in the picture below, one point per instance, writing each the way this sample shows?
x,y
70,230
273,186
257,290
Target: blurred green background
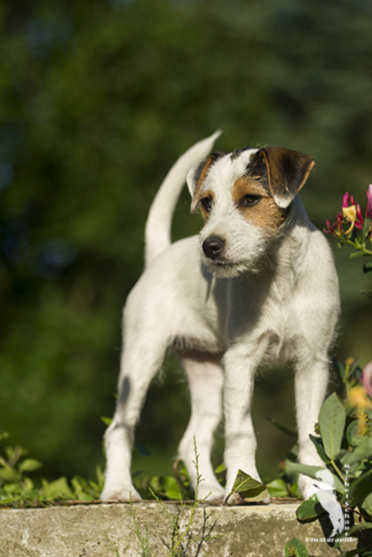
x,y
97,100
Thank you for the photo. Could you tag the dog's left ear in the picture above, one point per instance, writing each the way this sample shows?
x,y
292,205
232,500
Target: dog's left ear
x,y
287,172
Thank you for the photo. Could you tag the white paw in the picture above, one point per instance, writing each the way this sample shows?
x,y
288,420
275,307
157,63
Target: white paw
x,y
210,492
121,494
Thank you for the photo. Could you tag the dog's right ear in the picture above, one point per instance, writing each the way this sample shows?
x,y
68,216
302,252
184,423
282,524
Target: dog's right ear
x,y
196,176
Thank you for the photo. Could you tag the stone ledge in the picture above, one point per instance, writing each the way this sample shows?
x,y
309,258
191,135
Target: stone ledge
x,y
109,530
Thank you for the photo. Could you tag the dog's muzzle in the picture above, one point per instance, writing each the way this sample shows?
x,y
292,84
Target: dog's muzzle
x,y
213,246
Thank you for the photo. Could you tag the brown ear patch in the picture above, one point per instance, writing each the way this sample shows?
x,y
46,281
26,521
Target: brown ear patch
x,y
265,214
286,171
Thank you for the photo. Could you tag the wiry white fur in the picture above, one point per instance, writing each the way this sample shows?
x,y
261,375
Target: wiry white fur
x,y
285,310
245,242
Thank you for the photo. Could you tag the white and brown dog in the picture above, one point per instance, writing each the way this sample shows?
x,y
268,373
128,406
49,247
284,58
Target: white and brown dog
x,y
258,285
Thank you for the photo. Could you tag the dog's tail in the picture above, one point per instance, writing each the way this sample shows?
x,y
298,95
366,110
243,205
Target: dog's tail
x,y
158,226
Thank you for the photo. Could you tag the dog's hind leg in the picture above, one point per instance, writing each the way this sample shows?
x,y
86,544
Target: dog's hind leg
x,y
141,359
206,379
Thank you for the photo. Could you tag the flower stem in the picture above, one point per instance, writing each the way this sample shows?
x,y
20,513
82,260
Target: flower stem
x,y
338,470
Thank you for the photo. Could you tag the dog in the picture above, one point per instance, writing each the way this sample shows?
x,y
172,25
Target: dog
x,y
257,286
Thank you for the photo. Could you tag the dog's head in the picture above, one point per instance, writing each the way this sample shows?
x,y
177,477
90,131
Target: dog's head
x,y
244,198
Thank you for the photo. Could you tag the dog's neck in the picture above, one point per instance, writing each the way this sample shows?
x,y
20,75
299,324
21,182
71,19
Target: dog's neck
x,y
285,256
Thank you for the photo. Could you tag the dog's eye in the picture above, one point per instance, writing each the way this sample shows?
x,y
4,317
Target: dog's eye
x,y
249,200
206,202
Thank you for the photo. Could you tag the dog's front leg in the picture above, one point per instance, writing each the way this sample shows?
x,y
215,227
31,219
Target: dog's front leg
x,y
310,386
240,363
141,358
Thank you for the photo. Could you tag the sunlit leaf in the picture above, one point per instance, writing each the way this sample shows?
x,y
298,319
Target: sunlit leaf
x,y
277,488
58,489
249,489
332,419
10,475
309,510
30,465
296,548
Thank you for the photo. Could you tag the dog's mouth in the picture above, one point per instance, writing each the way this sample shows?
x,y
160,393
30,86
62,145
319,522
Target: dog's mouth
x,y
224,268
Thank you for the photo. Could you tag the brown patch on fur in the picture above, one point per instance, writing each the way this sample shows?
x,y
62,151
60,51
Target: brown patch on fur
x,y
204,212
202,175
265,214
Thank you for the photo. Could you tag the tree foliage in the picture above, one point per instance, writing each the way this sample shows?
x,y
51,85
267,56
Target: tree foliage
x,y
97,100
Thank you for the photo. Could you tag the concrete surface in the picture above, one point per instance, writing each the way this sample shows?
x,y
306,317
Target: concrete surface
x,y
116,530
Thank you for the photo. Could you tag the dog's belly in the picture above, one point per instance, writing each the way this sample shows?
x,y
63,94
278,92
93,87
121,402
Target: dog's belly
x,y
198,345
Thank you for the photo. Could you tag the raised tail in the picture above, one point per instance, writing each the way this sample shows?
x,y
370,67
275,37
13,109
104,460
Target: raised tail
x,y
158,225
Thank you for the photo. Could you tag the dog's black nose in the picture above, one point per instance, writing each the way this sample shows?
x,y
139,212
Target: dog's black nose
x,y
213,246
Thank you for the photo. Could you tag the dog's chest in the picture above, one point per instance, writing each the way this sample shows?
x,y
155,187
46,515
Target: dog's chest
x,y
262,308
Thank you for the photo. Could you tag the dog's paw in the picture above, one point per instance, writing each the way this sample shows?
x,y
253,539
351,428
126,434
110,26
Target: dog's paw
x,y
234,499
210,493
130,495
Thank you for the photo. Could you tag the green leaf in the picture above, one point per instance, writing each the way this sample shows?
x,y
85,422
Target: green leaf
x,y
250,489
361,526
364,450
361,488
354,438
295,490
171,488
80,487
283,428
367,504
295,548
332,419
339,368
303,468
367,267
165,486
367,293
221,468
277,488
100,477
310,510
30,465
105,420
10,475
311,471
317,441
355,370
366,229
59,489
352,552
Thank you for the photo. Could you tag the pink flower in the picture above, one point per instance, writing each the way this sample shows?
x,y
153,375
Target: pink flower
x,y
352,213
369,202
367,378
335,228
345,201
